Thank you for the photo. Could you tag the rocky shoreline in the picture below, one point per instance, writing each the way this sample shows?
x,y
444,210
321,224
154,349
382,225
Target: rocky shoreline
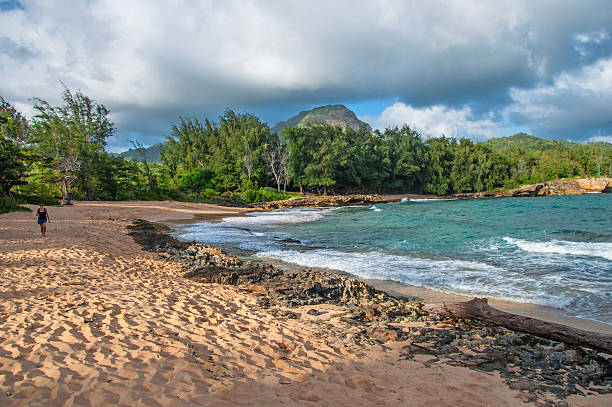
x,y
543,370
548,188
557,187
320,201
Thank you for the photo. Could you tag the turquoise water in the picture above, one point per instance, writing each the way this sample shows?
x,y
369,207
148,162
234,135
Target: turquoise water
x,y
554,251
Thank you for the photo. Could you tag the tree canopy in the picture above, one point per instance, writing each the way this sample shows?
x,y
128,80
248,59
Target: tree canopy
x,y
61,151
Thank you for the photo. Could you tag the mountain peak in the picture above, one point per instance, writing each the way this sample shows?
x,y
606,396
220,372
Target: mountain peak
x,y
334,115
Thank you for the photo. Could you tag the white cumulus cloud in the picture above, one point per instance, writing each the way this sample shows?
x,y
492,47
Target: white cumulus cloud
x,y
438,120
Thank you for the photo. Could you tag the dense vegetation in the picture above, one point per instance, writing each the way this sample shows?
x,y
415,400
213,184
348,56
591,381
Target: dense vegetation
x,y
240,153
532,159
61,153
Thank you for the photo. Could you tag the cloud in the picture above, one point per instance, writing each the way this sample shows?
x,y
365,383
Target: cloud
x,y
149,62
605,139
573,105
435,121
593,43
574,102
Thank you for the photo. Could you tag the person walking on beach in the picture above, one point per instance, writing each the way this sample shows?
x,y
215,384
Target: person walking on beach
x,y
43,218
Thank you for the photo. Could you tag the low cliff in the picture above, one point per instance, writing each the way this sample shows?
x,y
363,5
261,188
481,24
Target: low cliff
x,y
557,187
563,187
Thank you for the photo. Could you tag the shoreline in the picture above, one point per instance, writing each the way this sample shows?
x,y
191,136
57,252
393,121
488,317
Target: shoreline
x,y
527,309
427,295
431,296
383,318
88,315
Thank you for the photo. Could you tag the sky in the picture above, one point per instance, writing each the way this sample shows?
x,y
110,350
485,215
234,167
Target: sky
x,y
465,68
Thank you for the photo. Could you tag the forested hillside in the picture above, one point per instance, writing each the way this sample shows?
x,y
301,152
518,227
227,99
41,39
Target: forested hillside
x,y
61,152
531,144
150,154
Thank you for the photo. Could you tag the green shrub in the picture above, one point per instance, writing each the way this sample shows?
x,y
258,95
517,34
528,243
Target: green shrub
x,y
151,196
270,194
38,199
209,193
173,194
196,180
250,195
9,205
264,194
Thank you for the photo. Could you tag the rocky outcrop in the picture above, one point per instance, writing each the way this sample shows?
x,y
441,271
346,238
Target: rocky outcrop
x,y
305,287
562,187
318,201
333,115
595,184
528,190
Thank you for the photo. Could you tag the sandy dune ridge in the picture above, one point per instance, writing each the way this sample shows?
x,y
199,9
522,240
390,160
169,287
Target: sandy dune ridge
x,y
88,318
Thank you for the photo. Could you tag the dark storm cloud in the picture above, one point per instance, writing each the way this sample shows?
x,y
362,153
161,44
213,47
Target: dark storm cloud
x,y
491,66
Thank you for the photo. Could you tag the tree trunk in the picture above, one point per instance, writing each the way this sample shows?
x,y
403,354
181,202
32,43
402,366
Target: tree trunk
x,y
66,200
479,308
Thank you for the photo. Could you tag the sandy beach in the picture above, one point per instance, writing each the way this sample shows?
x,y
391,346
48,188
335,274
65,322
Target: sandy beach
x,y
88,318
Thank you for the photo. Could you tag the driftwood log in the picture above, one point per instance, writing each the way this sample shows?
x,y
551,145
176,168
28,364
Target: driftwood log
x,y
479,308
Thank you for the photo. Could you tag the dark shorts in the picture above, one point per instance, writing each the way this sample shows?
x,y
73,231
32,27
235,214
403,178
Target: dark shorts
x,y
41,221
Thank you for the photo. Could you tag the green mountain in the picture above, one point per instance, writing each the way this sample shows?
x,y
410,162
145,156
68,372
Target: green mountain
x,y
531,144
152,154
334,115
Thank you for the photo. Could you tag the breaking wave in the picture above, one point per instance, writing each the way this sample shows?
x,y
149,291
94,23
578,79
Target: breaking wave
x,y
588,249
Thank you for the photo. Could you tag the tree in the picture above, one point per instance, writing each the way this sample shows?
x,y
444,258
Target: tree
x,y
231,149
298,148
68,138
407,154
142,152
439,158
277,157
13,138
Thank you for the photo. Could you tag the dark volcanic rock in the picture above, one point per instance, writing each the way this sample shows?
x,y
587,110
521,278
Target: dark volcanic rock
x,y
289,240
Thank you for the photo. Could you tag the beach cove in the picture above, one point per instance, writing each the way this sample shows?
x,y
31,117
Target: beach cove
x,y
552,252
89,318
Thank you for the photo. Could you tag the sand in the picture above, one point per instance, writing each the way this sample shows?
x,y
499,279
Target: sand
x,y
88,318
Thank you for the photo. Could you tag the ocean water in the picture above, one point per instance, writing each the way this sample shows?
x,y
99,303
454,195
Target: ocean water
x,y
554,251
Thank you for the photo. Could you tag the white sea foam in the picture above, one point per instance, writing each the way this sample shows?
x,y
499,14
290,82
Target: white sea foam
x,y
220,234
404,199
448,275
375,208
589,249
431,199
278,217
